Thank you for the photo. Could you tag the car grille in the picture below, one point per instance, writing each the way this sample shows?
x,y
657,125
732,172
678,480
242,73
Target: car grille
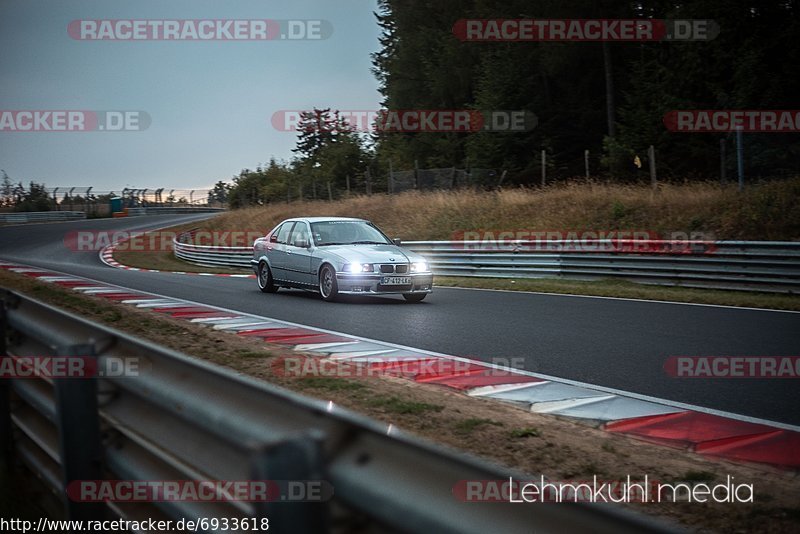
x,y
388,268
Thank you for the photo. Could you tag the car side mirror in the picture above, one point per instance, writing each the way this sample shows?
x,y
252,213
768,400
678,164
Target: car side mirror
x,y
396,241
273,238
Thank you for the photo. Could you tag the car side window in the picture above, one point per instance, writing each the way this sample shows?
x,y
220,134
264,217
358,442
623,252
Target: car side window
x,y
299,233
284,232
273,235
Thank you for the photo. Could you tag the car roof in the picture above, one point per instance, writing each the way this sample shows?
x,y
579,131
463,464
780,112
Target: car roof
x,y
322,219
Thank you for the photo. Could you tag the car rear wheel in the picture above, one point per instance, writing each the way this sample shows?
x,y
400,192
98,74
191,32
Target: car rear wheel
x,y
414,297
264,277
328,289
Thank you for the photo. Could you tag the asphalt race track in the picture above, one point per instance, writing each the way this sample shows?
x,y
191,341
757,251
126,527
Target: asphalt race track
x,y
620,344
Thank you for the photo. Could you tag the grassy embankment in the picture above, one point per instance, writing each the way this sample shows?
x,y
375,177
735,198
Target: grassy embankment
x,y
763,212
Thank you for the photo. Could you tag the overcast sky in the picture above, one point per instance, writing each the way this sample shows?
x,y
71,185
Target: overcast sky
x,y
210,102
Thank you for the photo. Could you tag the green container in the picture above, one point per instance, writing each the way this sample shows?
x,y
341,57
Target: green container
x,y
116,204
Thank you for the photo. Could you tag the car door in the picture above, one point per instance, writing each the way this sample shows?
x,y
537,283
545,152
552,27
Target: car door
x,y
276,253
298,255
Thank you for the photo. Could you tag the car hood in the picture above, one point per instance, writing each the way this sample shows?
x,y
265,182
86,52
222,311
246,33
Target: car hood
x,y
369,253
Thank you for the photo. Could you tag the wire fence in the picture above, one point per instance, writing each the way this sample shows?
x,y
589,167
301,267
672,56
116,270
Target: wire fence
x,y
442,178
131,197
94,202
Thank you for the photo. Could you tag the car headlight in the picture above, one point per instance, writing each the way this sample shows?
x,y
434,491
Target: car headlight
x,y
358,268
419,267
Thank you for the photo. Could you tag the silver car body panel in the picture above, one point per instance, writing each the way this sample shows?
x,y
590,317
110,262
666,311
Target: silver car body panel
x,y
299,266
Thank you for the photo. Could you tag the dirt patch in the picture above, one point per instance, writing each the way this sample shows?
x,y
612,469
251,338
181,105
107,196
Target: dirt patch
x,y
560,449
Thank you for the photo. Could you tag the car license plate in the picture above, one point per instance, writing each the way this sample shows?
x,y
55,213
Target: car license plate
x,y
396,281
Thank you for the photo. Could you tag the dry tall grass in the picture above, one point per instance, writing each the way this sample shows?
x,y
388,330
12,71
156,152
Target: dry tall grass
x,y
769,211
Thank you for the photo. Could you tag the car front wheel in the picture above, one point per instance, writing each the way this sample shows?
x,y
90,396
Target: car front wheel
x,y
414,297
328,288
264,277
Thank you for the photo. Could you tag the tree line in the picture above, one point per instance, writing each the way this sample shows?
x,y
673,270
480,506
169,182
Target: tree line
x,y
608,98
16,195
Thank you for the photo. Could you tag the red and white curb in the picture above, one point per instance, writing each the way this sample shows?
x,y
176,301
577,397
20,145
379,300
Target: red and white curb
x,y
704,431
107,257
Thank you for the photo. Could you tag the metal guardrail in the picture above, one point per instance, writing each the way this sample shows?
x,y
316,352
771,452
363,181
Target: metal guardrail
x,y
155,210
211,256
772,266
135,212
185,419
54,216
41,216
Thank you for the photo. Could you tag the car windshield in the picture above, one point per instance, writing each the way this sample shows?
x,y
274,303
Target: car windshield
x,y
347,233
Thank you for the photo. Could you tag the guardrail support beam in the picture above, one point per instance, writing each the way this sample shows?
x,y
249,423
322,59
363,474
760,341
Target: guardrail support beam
x,y
5,399
79,431
297,460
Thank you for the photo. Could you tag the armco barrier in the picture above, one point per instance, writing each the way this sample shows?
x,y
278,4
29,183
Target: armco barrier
x,y
159,210
771,266
41,216
156,210
184,419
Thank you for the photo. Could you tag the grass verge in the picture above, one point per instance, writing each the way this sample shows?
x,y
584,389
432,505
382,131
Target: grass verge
x,y
630,290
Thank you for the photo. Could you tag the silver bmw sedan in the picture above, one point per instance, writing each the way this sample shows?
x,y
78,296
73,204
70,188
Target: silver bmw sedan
x,y
338,255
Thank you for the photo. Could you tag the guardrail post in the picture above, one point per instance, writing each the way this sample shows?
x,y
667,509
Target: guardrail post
x,y
5,398
740,157
79,431
651,159
722,159
297,459
544,167
586,162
